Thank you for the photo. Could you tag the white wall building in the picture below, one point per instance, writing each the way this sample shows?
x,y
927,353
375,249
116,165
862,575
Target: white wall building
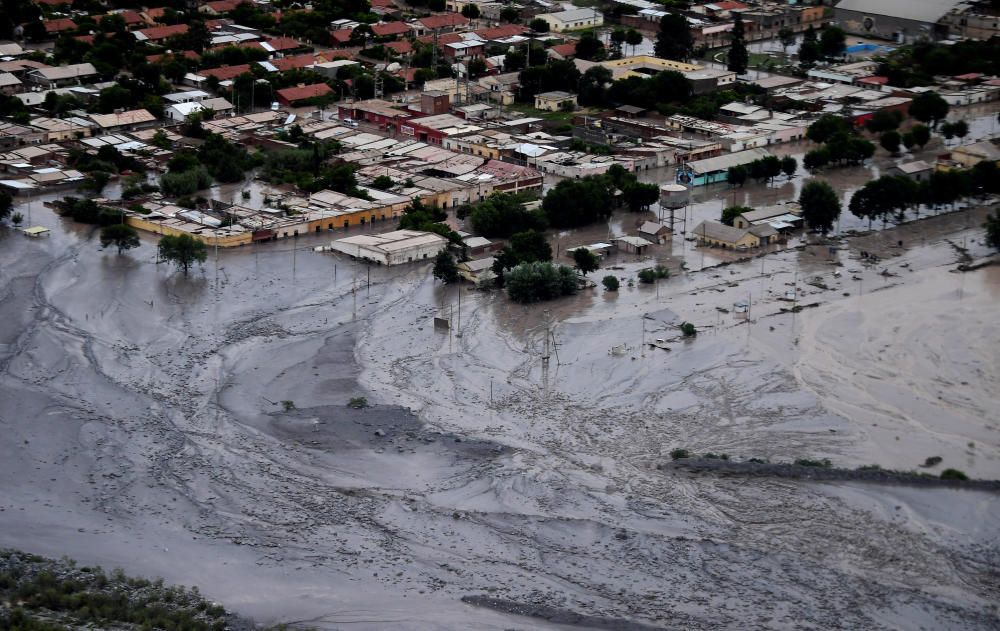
x,y
392,248
572,19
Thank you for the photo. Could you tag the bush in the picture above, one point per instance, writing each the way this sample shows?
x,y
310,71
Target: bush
x,y
688,329
647,276
185,182
534,282
358,403
805,462
953,474
610,283
287,405
679,454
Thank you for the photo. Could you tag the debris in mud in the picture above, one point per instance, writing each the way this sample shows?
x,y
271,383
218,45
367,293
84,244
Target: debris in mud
x,y
822,471
556,616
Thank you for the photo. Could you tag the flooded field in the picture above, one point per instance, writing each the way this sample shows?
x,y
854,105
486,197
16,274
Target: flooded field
x,y
198,429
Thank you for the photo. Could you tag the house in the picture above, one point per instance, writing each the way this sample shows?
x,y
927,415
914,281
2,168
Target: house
x,y
219,7
160,33
901,22
655,232
572,19
783,218
563,51
124,121
632,245
917,170
391,29
57,76
289,97
190,96
970,155
180,111
476,271
61,25
720,235
441,23
478,245
766,233
9,84
712,170
392,248
555,101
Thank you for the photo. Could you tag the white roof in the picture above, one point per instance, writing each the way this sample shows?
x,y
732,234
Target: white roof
x,y
177,97
918,10
572,15
637,242
66,72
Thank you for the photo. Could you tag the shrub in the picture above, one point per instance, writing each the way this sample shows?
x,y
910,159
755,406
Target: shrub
x,y
688,329
953,474
805,462
647,276
679,454
610,283
287,405
357,403
534,282
185,182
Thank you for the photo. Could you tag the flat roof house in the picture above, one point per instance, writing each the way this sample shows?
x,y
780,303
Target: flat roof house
x,y
553,101
720,235
57,76
712,170
572,19
392,248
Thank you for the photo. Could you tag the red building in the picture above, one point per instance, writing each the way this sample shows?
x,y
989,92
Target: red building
x,y
292,96
375,111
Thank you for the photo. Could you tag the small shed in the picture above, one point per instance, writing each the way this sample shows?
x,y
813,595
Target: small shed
x,y
476,270
632,245
554,101
36,231
917,171
655,232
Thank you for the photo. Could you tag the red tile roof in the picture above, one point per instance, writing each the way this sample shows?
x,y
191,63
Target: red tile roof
x,y
443,39
300,93
187,54
130,17
385,4
969,76
155,13
157,33
52,3
443,20
341,36
565,50
500,32
59,25
86,39
874,80
390,28
295,61
729,5
283,43
401,48
225,72
223,6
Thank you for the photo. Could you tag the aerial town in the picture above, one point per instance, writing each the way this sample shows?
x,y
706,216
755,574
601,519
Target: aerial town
x,y
499,314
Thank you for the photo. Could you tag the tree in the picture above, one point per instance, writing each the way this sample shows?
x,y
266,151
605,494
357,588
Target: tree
x,y
674,38
633,38
739,58
590,48
992,226
445,268
730,213
832,41
639,197
921,135
789,166
16,219
383,183
122,236
183,250
471,11
890,141
827,126
908,140
539,25
820,205
617,39
530,246
737,175
960,129
586,261
816,159
929,107
787,37
6,203
509,14
477,67
884,120
611,283
809,51
532,282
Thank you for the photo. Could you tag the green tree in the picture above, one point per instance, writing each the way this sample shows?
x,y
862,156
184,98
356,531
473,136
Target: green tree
x,y
590,48
539,25
586,261
6,203
530,246
639,197
832,41
633,38
617,39
737,175
510,14
673,41
820,205
929,107
789,166
827,126
921,135
809,50
884,120
787,38
738,57
122,236
533,282
445,268
611,283
890,141
471,11
992,226
730,213
16,219
477,67
182,250
383,183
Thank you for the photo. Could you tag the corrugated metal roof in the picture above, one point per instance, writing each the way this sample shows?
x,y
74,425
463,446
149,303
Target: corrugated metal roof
x,y
918,10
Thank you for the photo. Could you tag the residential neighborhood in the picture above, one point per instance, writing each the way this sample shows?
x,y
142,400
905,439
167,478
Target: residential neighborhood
x,y
480,314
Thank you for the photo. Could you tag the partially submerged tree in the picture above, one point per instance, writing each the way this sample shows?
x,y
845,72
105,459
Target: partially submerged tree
x,y
120,235
586,261
820,205
183,250
445,268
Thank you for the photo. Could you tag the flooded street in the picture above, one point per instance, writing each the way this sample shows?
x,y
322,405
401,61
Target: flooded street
x,y
198,429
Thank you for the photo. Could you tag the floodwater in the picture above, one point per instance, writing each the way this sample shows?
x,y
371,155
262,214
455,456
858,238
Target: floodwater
x,y
146,426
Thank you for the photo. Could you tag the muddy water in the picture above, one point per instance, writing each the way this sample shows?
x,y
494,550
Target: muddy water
x,y
144,426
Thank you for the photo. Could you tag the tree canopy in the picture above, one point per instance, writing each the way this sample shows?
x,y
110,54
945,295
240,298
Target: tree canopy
x,y
820,205
182,250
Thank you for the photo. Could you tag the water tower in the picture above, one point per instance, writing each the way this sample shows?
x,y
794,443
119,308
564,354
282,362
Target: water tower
x,y
673,197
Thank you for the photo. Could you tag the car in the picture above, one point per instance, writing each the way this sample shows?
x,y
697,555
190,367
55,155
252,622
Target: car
x,y
350,122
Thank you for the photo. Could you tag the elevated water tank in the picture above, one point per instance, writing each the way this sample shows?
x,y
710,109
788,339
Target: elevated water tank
x,y
674,196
